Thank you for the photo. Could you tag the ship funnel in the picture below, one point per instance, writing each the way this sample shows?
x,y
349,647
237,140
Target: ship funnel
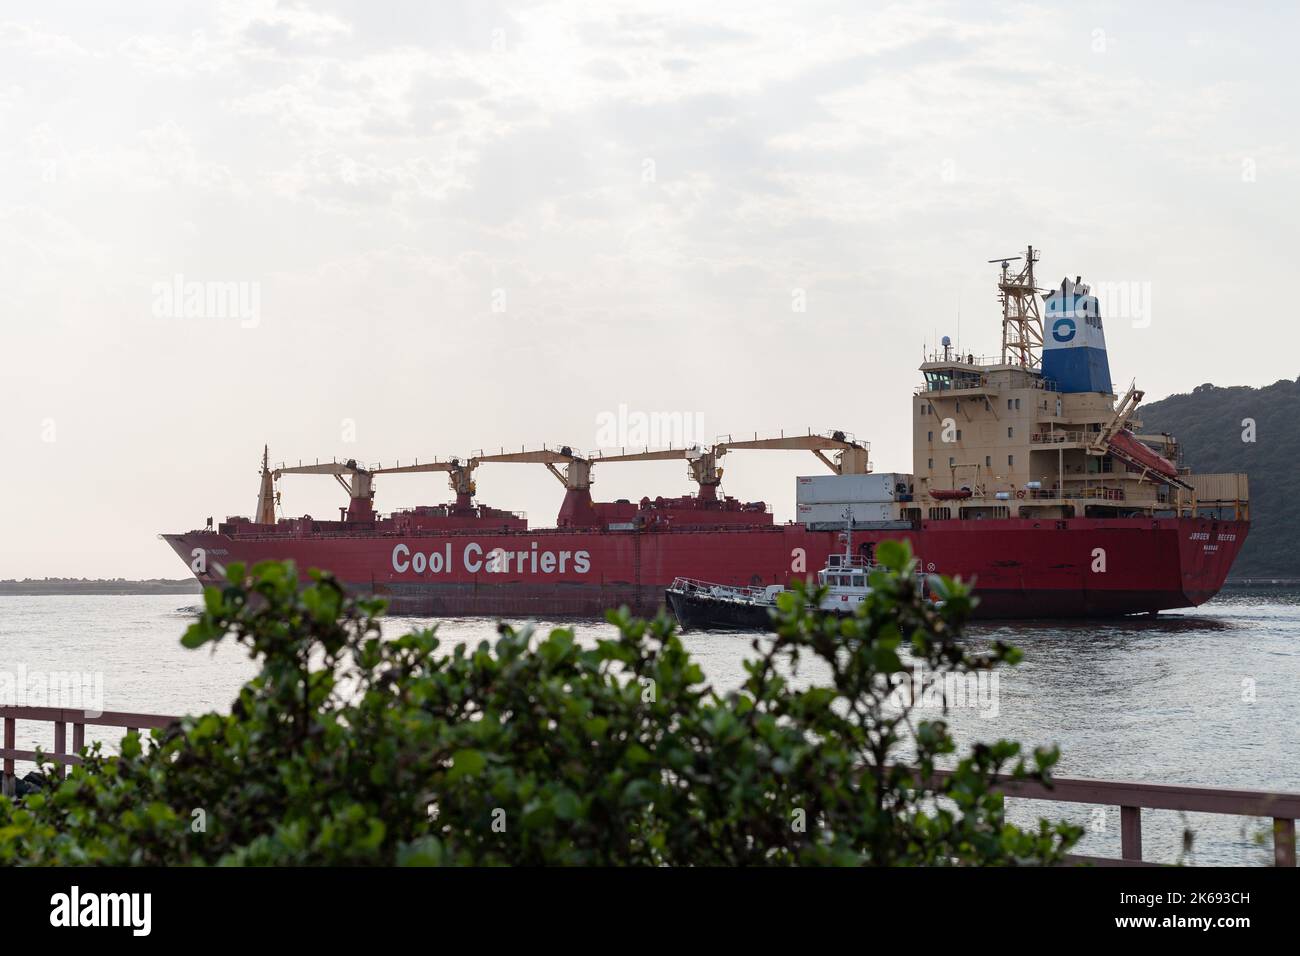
x,y
1074,348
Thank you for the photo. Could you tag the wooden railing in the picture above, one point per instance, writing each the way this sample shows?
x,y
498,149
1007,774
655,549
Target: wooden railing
x,y
1131,798
61,718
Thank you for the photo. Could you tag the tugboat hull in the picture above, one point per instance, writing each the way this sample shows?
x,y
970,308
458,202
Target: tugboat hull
x,y
701,612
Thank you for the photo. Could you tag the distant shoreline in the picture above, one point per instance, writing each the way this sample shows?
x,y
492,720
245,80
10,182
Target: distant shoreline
x,y
35,587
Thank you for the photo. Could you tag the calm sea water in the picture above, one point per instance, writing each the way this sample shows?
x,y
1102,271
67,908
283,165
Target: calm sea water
x,y
1209,696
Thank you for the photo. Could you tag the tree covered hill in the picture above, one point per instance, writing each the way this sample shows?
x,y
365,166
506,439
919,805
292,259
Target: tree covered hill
x,y
1213,424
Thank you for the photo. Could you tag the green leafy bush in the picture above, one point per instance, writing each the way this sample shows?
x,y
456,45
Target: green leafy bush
x,y
350,749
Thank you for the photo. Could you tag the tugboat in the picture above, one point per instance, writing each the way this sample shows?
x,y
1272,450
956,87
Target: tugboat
x,y
700,604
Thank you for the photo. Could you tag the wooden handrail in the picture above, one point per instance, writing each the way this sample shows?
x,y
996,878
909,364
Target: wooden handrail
x,y
1133,797
62,756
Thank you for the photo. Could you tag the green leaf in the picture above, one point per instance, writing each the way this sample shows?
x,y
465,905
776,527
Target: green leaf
x,y
466,763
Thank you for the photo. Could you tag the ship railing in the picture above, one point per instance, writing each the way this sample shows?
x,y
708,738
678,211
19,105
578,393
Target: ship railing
x,y
712,588
1090,494
964,358
1057,437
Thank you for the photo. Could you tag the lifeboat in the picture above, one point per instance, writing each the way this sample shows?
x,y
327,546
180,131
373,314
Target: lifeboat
x,y
950,494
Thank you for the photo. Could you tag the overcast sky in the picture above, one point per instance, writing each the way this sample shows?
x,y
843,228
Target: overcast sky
x,y
467,225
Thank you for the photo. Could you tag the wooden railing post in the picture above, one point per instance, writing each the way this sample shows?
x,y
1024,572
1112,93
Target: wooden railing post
x,y
1284,842
1130,833
10,738
60,747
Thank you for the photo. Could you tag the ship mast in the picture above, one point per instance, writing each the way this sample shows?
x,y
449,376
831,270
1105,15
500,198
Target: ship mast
x,y
266,493
1022,321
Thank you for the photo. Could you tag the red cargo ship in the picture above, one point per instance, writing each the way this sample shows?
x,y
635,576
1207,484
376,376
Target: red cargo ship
x,y
1029,476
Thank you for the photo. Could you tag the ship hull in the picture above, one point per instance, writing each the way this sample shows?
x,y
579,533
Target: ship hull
x,y
1022,568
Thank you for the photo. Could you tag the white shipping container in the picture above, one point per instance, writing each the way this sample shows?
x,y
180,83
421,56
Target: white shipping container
x,y
835,513
829,489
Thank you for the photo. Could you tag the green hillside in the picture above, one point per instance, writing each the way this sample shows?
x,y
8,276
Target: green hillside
x,y
1208,423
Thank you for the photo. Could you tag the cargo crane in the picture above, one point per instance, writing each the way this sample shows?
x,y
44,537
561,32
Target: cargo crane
x,y
702,465
575,476
854,458
460,477
577,470
577,509
356,481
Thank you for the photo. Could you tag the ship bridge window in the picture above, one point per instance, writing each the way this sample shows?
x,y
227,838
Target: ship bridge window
x,y
858,581
943,379
937,380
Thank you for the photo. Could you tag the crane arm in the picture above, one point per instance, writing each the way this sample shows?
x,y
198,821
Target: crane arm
x,y
352,478
793,443
412,469
662,454
1127,406
576,474
542,456
854,457
460,475
328,468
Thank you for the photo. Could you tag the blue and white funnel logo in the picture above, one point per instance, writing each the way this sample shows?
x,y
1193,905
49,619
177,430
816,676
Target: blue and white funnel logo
x,y
1074,353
